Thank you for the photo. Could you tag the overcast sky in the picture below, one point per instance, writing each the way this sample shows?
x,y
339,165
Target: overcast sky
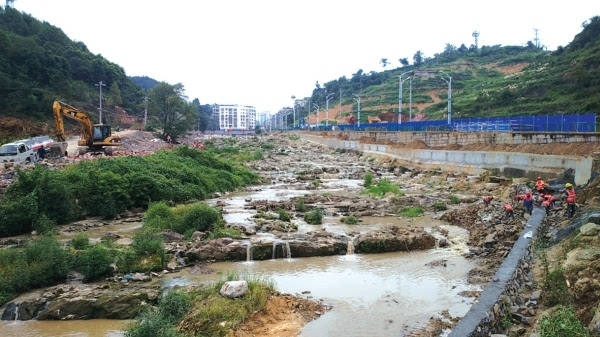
x,y
259,53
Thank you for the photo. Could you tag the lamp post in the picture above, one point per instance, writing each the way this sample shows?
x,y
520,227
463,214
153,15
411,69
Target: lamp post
x,y
294,107
357,99
401,81
449,81
410,100
327,99
317,113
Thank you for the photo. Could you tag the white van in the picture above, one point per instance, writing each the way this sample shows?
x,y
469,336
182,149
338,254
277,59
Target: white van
x,y
17,153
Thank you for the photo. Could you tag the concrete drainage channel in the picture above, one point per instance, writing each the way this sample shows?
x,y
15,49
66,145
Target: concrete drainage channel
x,y
486,313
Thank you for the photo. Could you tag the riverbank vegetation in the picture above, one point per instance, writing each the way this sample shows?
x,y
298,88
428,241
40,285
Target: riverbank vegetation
x,y
107,187
203,312
382,188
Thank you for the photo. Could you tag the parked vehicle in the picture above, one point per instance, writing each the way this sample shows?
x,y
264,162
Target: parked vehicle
x,y
17,153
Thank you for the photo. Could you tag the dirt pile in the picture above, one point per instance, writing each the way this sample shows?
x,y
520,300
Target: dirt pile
x,y
284,316
17,127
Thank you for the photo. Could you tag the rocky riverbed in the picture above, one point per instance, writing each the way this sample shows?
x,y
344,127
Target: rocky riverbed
x,y
433,231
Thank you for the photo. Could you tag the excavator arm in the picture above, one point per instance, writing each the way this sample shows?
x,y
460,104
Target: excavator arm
x,y
62,109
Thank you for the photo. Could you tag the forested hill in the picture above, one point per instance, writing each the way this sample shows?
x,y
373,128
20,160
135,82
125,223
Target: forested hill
x,y
486,81
144,82
38,63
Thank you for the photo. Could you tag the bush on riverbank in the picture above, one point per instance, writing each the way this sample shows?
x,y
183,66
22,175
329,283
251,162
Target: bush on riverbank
x,y
41,263
349,220
161,322
412,212
314,217
93,262
108,186
183,219
382,188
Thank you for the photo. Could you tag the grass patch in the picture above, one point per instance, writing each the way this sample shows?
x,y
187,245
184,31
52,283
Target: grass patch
x,y
368,179
554,288
314,217
350,220
294,137
284,215
439,206
161,322
383,188
411,212
300,205
454,200
561,323
183,219
210,309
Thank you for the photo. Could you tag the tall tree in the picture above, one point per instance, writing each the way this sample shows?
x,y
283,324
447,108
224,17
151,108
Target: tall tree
x,y
403,61
114,94
418,58
167,103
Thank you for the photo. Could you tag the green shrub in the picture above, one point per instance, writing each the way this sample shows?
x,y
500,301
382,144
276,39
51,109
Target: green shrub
x,y
195,217
300,205
93,263
554,288
267,146
382,188
18,216
80,241
562,323
439,206
222,232
454,200
152,324
316,183
368,179
174,305
314,217
44,225
42,262
258,155
284,215
350,220
147,242
411,212
294,137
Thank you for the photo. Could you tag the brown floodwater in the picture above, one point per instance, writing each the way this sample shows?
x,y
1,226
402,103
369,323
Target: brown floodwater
x,y
89,328
388,294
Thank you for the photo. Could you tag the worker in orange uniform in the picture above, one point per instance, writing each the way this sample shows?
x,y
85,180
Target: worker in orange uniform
x,y
540,185
509,211
527,201
488,199
570,199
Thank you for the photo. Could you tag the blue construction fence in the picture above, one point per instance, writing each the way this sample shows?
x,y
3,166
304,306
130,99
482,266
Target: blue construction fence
x,y
543,123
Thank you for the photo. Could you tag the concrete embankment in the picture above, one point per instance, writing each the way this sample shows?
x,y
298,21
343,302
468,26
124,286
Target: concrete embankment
x,y
515,271
472,162
443,138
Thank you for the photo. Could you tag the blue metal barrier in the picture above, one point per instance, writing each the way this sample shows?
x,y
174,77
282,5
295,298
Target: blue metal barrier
x,y
543,123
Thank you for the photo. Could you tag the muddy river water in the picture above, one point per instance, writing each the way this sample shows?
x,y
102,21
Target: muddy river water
x,y
387,294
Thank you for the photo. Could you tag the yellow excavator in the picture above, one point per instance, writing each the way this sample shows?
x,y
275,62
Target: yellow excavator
x,y
95,137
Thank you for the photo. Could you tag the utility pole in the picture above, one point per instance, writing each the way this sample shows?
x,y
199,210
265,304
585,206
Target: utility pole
x,y
100,85
536,40
146,113
410,100
449,81
317,113
340,102
327,99
401,81
357,99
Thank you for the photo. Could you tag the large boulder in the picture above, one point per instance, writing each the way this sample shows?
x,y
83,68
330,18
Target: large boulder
x,y
393,239
222,249
589,229
121,301
233,289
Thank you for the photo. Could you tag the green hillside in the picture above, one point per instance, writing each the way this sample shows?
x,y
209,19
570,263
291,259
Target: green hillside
x,y
39,63
489,81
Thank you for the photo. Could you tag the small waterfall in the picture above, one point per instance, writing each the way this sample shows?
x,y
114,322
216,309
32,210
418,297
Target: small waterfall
x,y
350,249
437,243
17,312
288,251
274,250
249,256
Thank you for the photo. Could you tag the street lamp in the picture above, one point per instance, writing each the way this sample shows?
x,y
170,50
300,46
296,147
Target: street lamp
x,y
294,107
327,99
449,81
401,81
357,99
317,113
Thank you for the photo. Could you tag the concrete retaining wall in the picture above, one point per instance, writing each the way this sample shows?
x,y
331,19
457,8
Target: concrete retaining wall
x,y
473,162
486,314
437,139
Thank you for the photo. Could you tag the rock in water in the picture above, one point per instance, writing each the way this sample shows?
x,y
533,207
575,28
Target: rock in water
x,y
233,289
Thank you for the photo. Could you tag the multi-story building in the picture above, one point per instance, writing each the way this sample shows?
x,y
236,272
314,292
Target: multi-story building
x,y
235,117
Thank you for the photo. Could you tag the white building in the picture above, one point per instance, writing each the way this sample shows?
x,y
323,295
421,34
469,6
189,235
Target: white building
x,y
235,117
